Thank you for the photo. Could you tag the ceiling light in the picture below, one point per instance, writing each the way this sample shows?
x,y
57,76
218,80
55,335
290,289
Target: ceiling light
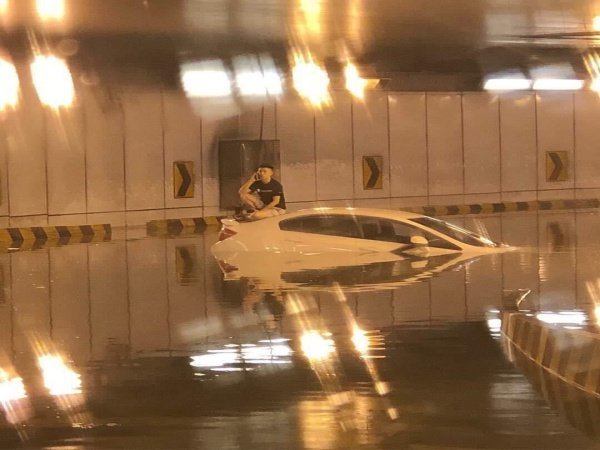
x,y
311,81
53,82
51,9
354,83
596,23
206,79
9,85
3,6
557,84
507,84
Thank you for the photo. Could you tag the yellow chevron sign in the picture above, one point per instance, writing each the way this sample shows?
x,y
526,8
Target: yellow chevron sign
x,y
183,179
556,166
372,178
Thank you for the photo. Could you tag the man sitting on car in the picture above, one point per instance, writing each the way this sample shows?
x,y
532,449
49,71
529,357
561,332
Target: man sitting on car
x,y
262,194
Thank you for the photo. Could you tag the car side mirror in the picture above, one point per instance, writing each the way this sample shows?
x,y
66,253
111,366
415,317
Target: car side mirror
x,y
418,241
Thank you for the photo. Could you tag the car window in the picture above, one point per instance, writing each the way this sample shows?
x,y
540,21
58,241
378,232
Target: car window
x,y
455,232
388,230
330,225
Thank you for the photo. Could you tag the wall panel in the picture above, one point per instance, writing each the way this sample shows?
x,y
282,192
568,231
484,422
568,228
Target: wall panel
x,y
144,152
65,141
104,145
587,140
408,145
555,133
371,138
444,144
182,139
518,142
26,134
296,131
333,136
481,143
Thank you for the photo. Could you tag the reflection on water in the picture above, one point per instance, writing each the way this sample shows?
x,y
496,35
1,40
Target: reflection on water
x,y
153,349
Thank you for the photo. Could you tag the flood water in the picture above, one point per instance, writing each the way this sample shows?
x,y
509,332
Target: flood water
x,y
141,344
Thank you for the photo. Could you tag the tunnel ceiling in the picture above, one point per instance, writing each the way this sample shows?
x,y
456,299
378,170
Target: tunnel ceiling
x,y
411,44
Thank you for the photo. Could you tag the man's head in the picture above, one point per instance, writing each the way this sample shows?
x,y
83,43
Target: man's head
x,y
265,172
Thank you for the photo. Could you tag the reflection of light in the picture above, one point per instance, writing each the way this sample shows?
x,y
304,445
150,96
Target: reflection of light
x,y
310,23
563,318
506,84
354,83
315,346
557,84
205,79
11,389
9,85
51,9
58,378
360,341
278,353
53,82
596,23
3,6
311,81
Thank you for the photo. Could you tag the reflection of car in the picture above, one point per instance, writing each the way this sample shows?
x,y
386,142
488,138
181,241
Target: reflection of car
x,y
321,238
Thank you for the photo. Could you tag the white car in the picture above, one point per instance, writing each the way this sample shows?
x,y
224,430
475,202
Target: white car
x,y
324,238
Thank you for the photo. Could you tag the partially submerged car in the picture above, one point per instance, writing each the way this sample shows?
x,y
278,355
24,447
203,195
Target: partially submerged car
x,y
321,238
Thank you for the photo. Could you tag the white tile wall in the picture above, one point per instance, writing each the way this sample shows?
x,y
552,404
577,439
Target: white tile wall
x,y
445,144
408,145
296,131
555,132
333,137
27,181
437,148
104,146
65,144
587,138
481,143
182,142
518,142
144,150
371,138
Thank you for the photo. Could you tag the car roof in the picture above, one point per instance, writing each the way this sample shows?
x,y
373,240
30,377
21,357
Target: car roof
x,y
372,212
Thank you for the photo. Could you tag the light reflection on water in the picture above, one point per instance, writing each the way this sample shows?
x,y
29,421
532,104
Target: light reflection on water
x,y
129,317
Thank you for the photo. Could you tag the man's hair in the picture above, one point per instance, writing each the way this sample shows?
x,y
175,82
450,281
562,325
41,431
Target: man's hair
x,y
268,166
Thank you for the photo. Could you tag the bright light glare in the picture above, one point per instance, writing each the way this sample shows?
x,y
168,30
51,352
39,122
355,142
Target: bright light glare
x,y
315,346
563,318
11,389
507,84
51,9
257,78
354,83
595,85
254,354
58,378
53,82
3,6
205,79
596,23
311,81
557,84
9,85
360,341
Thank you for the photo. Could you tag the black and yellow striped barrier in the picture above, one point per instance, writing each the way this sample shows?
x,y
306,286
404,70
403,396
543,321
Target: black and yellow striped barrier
x,y
562,363
35,238
491,208
175,227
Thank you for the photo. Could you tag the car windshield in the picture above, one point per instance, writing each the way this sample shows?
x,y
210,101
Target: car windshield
x,y
455,232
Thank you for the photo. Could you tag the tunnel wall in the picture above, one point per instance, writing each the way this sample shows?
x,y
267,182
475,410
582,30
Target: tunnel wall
x,y
109,158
